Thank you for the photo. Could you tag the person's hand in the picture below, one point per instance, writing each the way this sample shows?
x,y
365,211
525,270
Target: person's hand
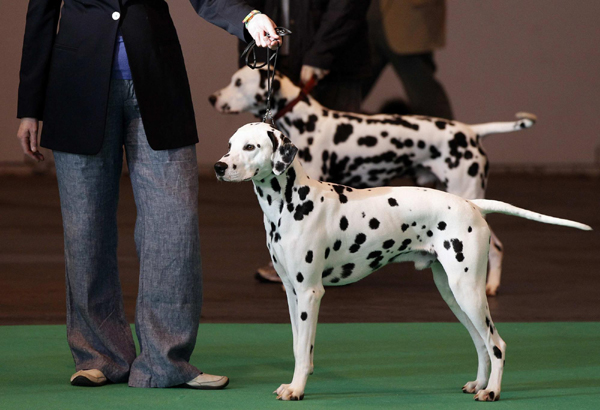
x,y
28,134
259,26
309,72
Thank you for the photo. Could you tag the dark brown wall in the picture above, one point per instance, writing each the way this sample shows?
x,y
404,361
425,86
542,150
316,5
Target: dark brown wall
x,y
502,57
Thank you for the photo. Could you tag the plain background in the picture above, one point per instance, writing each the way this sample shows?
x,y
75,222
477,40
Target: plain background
x,y
502,56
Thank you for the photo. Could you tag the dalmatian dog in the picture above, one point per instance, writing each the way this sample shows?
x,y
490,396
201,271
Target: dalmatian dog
x,y
323,234
370,150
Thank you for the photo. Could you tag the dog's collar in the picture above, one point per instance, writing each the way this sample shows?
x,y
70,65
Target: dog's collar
x,y
303,93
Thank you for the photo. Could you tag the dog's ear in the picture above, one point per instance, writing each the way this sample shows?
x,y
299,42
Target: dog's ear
x,y
284,151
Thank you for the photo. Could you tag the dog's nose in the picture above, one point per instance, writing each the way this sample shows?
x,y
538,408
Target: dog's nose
x,y
220,168
212,99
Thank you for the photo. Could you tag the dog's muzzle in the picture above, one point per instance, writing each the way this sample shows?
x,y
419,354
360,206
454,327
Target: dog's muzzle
x,y
220,168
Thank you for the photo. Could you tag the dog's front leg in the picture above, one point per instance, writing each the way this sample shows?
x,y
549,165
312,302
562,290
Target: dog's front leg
x,y
307,312
293,308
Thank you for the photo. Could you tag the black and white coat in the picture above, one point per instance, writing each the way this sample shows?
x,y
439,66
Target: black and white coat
x,y
321,234
364,151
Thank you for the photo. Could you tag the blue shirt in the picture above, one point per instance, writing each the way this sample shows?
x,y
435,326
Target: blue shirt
x,y
120,68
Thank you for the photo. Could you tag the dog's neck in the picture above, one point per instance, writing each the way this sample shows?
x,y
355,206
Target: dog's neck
x,y
275,192
302,111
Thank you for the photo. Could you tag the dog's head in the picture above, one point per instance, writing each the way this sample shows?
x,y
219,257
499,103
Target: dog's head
x,y
256,150
247,92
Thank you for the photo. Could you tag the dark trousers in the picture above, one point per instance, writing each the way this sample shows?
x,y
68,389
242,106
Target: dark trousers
x,y
425,93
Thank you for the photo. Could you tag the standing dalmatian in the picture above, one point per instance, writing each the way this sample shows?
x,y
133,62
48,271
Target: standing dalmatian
x,y
322,234
370,150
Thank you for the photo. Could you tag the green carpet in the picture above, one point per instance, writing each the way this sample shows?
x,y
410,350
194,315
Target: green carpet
x,y
392,365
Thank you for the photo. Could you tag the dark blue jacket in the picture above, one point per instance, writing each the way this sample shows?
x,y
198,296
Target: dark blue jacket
x,y
65,76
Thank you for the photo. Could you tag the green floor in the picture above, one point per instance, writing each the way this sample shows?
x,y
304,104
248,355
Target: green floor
x,y
404,365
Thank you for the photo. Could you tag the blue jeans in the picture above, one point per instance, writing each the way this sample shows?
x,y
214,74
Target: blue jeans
x,y
165,186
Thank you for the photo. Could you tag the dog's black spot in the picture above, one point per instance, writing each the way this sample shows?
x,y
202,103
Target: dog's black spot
x,y
326,272
405,227
441,226
327,250
354,248
473,169
360,238
384,134
388,244
405,244
309,257
446,244
259,191
408,142
413,224
457,246
337,245
421,144
470,229
367,141
497,352
311,348
335,280
299,277
342,132
303,316
303,192
340,189
392,202
269,199
303,210
435,153
440,124
238,82
290,179
374,254
374,223
343,223
423,227
347,270
429,233
468,154
487,321
466,269
275,185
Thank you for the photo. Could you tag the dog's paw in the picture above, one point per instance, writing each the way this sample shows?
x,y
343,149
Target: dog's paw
x,y
491,289
287,392
473,387
487,395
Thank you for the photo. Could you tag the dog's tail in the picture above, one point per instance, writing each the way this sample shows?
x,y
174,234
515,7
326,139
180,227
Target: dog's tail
x,y
488,206
524,120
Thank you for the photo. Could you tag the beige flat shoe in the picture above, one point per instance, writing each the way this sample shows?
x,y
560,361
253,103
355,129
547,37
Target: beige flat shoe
x,y
267,274
89,378
207,382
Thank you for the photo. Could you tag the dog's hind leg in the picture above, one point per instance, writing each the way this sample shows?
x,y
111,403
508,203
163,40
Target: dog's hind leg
x,y
307,312
469,291
496,255
483,367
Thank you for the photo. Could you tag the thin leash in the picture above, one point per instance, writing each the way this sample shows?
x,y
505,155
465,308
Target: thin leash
x,y
271,55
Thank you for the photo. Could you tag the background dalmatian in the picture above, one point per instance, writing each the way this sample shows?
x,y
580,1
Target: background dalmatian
x,y
370,150
320,233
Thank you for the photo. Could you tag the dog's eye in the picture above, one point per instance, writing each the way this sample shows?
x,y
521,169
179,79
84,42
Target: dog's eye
x,y
249,147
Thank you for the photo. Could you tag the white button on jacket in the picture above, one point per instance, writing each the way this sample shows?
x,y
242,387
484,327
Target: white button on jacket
x,y
116,15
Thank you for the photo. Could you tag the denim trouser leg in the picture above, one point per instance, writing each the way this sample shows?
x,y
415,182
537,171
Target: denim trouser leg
x,y
165,185
97,330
